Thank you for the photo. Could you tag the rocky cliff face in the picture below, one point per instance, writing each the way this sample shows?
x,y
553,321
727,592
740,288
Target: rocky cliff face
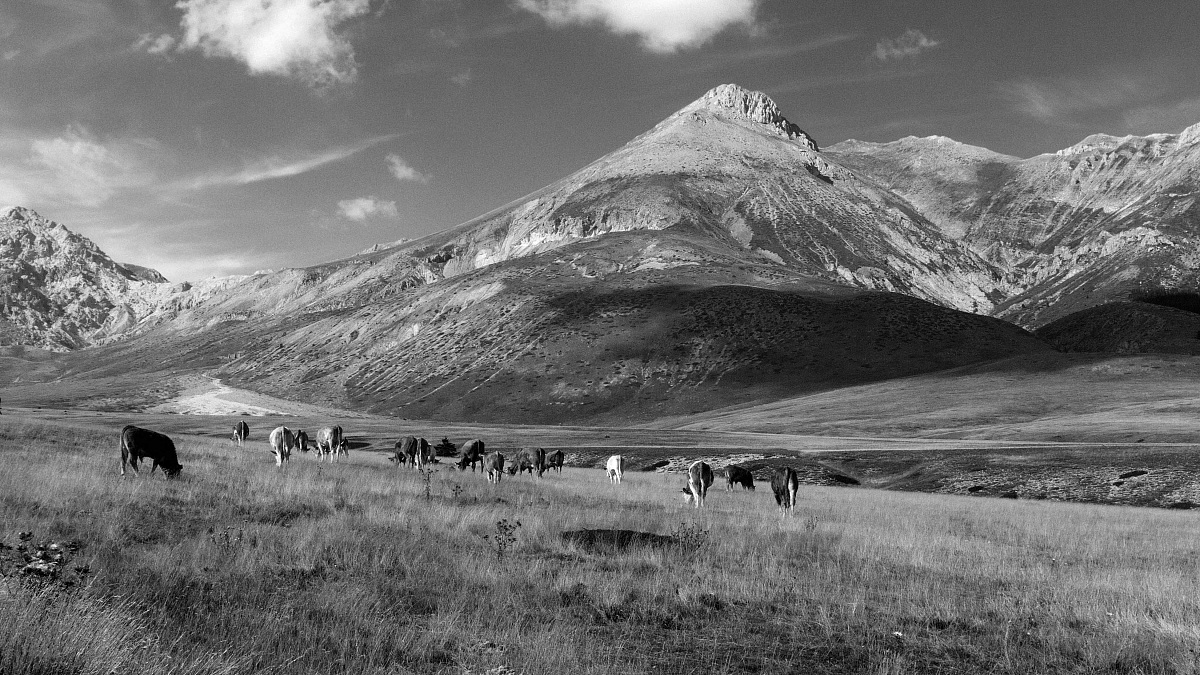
x,y
1103,220
59,291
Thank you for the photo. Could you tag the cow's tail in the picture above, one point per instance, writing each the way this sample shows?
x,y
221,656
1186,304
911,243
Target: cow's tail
x,y
124,450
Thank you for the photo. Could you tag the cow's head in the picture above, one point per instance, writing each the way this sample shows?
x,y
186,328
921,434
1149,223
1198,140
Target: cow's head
x,y
173,471
687,495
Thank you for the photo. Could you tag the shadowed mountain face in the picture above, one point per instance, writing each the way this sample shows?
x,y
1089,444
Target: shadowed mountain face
x,y
1107,219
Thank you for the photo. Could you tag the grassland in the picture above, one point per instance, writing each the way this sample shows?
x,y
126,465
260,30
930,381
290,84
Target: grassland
x,y
360,568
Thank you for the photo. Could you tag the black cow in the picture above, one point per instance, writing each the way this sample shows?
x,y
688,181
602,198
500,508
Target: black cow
x,y
738,475
528,459
241,431
555,460
302,440
138,443
785,482
472,452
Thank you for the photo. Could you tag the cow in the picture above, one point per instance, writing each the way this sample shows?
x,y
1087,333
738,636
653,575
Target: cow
x,y
700,478
329,442
400,456
282,441
528,459
241,431
615,468
472,451
738,475
302,441
493,465
555,460
422,454
785,482
138,443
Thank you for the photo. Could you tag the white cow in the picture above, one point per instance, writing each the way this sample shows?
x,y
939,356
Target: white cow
x,y
615,468
700,478
331,443
282,442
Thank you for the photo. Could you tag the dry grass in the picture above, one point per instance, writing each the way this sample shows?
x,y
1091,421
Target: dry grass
x,y
238,567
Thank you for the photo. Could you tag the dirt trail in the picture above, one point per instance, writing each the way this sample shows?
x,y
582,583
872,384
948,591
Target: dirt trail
x,y
206,395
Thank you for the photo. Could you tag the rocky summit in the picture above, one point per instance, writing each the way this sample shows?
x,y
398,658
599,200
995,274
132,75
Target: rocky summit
x,y
720,258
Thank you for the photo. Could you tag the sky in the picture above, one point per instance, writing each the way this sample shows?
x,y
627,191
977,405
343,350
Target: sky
x,y
214,137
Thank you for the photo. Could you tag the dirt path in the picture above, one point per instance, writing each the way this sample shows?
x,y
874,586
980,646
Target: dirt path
x,y
206,395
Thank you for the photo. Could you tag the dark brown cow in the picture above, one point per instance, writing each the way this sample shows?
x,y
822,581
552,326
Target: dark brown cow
x,y
472,452
738,475
138,443
785,483
241,431
400,457
700,478
528,459
493,465
555,460
301,440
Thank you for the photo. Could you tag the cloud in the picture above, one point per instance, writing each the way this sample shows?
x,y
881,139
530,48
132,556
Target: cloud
x,y
362,208
289,38
910,44
1168,118
462,79
1059,100
272,168
154,45
664,26
402,171
86,171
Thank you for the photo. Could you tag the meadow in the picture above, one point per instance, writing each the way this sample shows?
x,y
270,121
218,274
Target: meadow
x,y
238,567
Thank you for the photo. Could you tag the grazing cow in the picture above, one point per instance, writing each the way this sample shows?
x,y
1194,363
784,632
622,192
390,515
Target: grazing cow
x,y
302,441
138,443
241,431
738,475
330,442
700,478
422,454
282,441
528,459
400,458
472,451
555,460
785,482
493,465
615,468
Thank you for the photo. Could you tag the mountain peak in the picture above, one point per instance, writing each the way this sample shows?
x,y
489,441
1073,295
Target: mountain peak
x,y
752,106
21,214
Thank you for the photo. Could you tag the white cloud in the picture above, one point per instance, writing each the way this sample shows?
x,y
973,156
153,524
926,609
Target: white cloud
x,y
366,207
291,38
402,171
154,45
86,171
462,79
663,25
910,44
278,167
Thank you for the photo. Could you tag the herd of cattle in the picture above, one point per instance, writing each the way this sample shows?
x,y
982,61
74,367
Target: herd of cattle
x,y
138,443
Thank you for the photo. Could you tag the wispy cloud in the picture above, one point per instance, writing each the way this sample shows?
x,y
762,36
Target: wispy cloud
x,y
87,171
664,26
769,53
908,45
290,38
272,168
462,78
1061,99
1164,118
403,171
363,208
151,44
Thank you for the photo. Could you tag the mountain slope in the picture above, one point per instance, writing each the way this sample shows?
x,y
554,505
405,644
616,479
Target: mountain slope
x,y
59,291
1106,219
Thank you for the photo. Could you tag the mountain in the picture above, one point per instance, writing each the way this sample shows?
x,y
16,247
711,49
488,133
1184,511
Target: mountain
x,y
59,291
719,258
1108,219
